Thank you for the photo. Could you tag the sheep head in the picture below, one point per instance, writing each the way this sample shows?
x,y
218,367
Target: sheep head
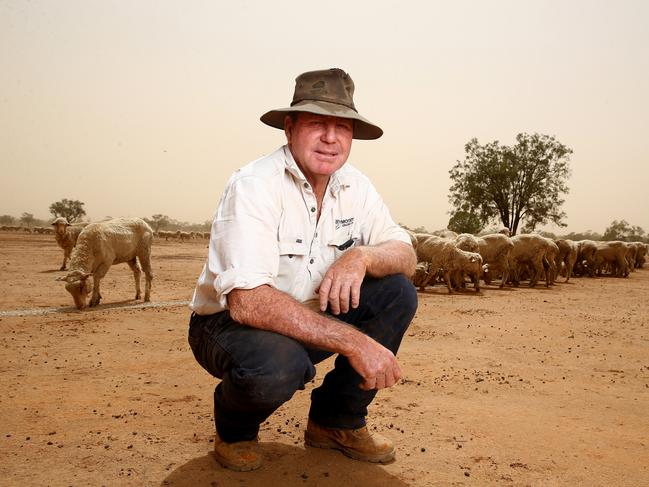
x,y
76,283
60,225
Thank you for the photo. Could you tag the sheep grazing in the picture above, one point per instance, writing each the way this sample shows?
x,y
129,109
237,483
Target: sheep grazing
x,y
496,249
530,252
103,244
66,237
444,256
420,277
611,257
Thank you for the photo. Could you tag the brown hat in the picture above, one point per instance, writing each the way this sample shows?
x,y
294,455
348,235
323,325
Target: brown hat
x,y
326,92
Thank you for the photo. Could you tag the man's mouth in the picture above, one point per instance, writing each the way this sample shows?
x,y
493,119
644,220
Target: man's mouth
x,y
327,153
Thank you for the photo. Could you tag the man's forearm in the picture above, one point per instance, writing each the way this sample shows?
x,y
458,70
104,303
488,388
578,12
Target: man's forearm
x,y
267,308
393,257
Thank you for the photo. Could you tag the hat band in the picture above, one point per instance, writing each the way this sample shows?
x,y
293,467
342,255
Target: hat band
x,y
351,107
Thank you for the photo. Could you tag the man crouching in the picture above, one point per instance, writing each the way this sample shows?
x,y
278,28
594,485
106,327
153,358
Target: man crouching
x,y
304,261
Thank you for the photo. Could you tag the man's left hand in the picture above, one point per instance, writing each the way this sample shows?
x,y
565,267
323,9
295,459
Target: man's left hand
x,y
341,284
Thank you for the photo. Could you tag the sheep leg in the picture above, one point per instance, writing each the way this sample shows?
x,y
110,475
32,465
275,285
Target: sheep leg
x,y
96,280
537,266
136,275
447,278
505,277
66,256
145,261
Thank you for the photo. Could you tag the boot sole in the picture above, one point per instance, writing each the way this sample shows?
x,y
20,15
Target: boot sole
x,y
233,466
331,445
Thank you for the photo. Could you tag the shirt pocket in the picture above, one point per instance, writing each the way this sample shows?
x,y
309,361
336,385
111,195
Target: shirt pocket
x,y
341,242
292,255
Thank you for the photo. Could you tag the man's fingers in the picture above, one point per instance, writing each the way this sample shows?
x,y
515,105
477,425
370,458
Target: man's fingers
x,y
334,297
356,294
325,285
345,290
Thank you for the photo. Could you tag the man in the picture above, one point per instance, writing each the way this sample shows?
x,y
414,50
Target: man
x,y
304,261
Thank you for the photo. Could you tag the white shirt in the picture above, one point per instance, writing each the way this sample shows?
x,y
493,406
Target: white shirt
x,y
266,230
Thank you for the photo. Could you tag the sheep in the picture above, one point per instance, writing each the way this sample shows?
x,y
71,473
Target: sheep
x,y
640,254
585,256
530,250
103,244
420,278
613,256
567,255
66,237
505,231
442,254
496,249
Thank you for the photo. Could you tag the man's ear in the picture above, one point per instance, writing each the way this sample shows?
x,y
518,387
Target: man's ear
x,y
288,127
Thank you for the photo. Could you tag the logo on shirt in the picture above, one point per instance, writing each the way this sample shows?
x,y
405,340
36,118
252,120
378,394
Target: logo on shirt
x,y
344,222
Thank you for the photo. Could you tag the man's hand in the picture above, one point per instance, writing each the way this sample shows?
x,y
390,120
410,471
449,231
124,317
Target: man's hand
x,y
342,282
375,364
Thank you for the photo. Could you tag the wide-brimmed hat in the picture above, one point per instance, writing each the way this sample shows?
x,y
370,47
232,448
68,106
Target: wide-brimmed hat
x,y
325,92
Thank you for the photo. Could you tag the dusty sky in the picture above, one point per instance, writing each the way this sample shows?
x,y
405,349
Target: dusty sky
x,y
143,107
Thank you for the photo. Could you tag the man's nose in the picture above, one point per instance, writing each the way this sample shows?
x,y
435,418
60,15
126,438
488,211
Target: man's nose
x,y
329,134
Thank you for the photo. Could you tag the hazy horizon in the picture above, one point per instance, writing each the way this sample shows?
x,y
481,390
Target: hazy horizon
x,y
138,108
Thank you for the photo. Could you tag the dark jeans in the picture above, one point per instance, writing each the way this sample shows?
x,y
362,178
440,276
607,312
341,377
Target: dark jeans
x,y
261,370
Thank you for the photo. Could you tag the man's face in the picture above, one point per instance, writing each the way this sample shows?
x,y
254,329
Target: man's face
x,y
320,144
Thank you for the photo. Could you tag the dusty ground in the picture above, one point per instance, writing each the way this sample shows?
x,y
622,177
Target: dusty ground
x,y
509,387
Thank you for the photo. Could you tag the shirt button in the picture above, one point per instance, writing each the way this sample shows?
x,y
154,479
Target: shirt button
x,y
311,261
306,185
313,209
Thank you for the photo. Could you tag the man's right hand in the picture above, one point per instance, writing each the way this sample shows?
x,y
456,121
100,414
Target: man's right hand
x,y
375,364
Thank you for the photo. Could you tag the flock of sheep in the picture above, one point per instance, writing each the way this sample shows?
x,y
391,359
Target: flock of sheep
x,y
92,248
451,257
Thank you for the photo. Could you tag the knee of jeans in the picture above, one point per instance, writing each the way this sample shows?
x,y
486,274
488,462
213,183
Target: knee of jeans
x,y
275,382
405,295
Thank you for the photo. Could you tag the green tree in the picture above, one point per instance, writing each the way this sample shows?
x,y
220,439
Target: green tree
x,y
71,210
521,183
27,219
621,230
7,220
465,222
158,222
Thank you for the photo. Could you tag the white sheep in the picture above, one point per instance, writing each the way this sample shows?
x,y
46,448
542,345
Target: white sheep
x,y
99,246
444,256
66,237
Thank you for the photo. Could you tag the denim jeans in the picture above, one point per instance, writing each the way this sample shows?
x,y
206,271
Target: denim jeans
x,y
260,370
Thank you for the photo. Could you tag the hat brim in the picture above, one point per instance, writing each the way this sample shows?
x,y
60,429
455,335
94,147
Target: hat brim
x,y
363,128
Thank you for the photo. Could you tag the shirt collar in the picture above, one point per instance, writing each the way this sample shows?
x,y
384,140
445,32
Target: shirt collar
x,y
337,181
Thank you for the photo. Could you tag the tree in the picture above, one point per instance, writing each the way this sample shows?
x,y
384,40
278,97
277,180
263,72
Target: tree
x,y
158,221
521,183
71,210
27,219
465,222
621,230
7,220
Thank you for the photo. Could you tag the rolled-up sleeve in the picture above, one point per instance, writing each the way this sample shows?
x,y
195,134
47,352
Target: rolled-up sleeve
x,y
243,250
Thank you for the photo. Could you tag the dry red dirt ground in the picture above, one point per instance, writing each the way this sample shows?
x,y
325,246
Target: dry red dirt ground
x,y
508,387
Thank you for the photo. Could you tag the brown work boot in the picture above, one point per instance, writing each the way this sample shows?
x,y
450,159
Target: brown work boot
x,y
358,444
241,456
